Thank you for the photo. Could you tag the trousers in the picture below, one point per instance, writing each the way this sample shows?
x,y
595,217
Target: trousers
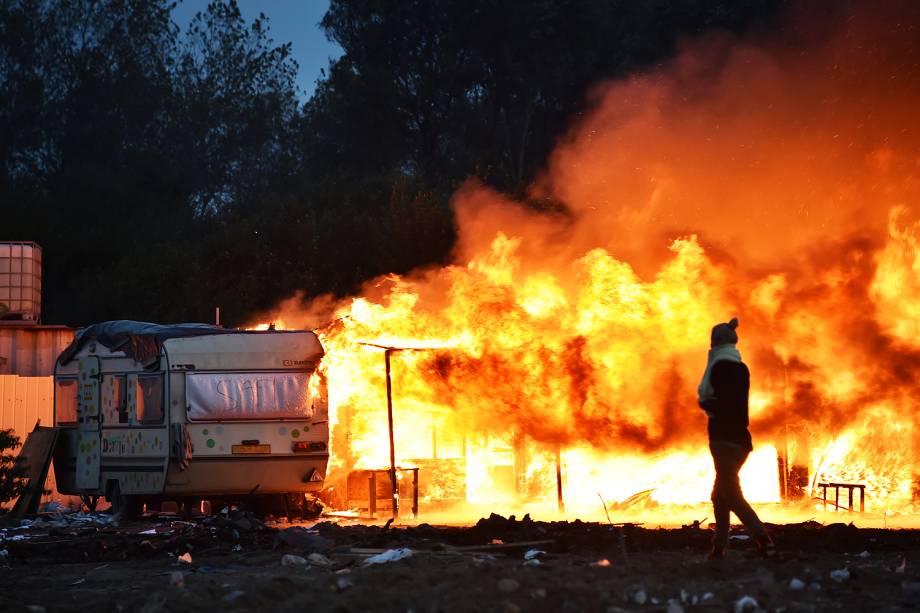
x,y
726,493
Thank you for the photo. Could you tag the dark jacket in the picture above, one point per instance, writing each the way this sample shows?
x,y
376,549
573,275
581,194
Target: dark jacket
x,y
731,382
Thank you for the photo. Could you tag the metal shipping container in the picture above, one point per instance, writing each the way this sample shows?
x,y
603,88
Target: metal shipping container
x,y
30,350
20,280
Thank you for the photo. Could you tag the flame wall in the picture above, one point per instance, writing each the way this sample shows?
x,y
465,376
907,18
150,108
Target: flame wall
x,y
775,178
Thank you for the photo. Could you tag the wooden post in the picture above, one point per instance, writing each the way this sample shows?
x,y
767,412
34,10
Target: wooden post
x,y
372,494
415,493
393,481
559,499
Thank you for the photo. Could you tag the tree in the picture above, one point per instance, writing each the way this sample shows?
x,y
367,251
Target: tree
x,y
12,471
165,173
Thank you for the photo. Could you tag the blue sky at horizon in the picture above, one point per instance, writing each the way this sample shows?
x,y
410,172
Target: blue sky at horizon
x,y
293,21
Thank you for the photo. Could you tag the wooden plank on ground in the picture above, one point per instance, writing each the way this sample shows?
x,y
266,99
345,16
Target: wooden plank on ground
x,y
501,546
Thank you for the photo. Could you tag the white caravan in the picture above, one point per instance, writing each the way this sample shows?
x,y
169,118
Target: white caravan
x,y
149,412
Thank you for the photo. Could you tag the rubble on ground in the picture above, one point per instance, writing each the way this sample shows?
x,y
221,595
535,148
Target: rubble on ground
x,y
65,561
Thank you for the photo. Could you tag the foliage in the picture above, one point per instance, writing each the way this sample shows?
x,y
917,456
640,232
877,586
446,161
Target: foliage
x,y
168,172
12,471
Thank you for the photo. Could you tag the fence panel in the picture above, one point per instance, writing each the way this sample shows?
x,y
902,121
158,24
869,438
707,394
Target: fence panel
x,y
23,402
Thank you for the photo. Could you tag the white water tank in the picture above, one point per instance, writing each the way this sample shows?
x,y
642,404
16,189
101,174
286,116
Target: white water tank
x,y
20,281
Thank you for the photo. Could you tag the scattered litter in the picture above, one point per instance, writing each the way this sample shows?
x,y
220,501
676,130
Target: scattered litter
x,y
496,542
746,603
539,593
864,554
177,579
390,555
4,553
343,583
61,520
533,553
289,559
78,581
53,506
318,559
506,586
151,532
231,596
237,547
637,595
901,567
532,562
796,584
674,607
603,563
186,557
708,596
739,537
840,575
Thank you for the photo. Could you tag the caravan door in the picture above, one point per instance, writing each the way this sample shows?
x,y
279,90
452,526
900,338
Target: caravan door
x,y
89,424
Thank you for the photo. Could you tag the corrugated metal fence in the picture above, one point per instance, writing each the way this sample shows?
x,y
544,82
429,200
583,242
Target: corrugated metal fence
x,y
31,351
23,402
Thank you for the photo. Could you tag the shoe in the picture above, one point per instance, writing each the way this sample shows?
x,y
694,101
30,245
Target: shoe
x,y
766,546
717,553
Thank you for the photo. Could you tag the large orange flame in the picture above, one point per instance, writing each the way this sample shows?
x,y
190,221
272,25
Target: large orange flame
x,y
776,181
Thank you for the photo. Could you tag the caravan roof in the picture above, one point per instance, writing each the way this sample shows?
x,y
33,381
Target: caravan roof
x,y
144,341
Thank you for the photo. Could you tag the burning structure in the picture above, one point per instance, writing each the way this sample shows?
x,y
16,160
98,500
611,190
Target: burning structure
x,y
777,180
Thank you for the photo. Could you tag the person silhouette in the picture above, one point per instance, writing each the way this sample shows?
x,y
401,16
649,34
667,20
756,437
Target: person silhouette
x,y
723,395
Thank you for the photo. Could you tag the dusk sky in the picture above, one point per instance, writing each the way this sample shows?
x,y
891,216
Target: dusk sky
x,y
294,21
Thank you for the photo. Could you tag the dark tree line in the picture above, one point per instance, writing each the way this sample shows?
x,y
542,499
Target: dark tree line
x,y
165,172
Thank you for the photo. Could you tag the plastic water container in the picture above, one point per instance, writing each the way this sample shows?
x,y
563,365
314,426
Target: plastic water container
x,y
20,280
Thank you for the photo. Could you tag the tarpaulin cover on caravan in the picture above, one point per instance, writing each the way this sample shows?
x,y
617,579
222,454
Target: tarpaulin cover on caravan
x,y
224,396
139,340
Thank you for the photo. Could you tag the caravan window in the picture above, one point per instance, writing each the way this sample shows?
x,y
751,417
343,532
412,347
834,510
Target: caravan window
x,y
120,397
65,401
264,395
149,399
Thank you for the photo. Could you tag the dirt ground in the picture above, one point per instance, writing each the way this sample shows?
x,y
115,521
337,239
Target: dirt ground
x,y
239,564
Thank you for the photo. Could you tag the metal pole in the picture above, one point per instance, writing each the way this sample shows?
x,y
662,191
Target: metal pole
x,y
559,500
393,482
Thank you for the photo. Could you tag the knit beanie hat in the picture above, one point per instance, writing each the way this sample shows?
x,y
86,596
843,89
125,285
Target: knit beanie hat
x,y
724,334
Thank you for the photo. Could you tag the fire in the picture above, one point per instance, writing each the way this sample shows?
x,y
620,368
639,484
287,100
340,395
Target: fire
x,y
719,185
